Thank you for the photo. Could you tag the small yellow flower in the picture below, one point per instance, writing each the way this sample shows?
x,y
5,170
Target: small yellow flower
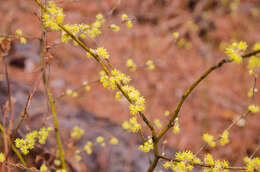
x,y
209,139
224,138
74,94
129,24
175,35
23,40
101,141
253,108
114,27
2,157
251,92
124,17
131,65
113,141
176,127
57,162
102,52
69,92
150,64
77,155
88,147
18,32
44,168
167,113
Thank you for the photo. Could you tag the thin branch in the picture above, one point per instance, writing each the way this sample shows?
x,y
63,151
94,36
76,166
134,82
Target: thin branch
x,y
244,115
77,89
50,99
10,104
18,36
194,85
21,166
256,150
13,147
202,164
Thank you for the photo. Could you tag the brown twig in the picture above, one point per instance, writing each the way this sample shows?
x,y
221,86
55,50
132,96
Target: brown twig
x,y
203,165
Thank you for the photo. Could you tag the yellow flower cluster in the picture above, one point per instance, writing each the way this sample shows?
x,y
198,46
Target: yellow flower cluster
x,y
132,125
88,147
115,28
131,65
209,139
126,19
113,141
251,92
28,143
2,157
253,64
150,64
252,164
102,52
53,16
61,170
76,132
224,138
186,158
19,34
216,165
43,133
84,30
101,141
148,145
253,108
95,27
138,102
76,29
235,50
176,127
116,78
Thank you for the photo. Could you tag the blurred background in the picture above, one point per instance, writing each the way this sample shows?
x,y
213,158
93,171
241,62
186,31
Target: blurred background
x,y
205,29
